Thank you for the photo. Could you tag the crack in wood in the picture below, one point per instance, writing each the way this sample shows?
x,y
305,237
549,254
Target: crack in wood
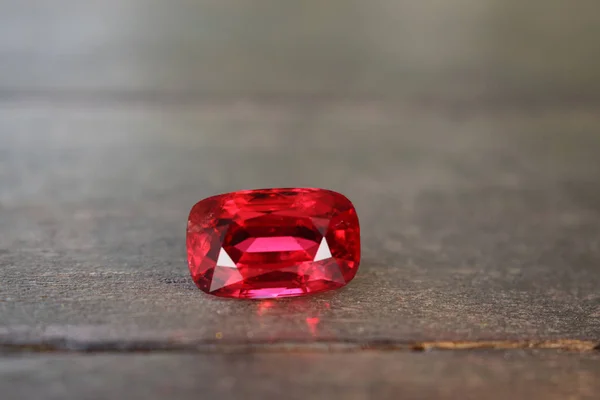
x,y
66,345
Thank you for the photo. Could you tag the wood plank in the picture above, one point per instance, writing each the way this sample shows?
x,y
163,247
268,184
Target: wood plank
x,y
447,375
480,227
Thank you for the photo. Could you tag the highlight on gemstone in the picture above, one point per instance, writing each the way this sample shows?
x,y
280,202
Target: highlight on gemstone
x,y
270,243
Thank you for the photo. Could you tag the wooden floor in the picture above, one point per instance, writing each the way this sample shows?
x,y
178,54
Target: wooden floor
x,y
467,133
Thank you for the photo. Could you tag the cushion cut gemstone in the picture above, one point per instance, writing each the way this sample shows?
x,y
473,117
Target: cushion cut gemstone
x,y
273,243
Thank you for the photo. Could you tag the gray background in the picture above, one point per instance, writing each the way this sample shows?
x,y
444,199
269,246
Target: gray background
x,y
466,132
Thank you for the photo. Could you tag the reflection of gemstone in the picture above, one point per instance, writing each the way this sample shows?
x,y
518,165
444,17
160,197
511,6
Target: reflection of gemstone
x,y
273,243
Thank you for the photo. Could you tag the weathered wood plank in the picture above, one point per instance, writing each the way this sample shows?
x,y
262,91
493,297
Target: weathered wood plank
x,y
480,227
490,375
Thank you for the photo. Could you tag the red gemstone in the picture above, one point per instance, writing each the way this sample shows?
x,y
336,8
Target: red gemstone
x,y
273,243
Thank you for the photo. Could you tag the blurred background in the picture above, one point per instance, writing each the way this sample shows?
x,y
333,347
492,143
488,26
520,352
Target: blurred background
x,y
313,87
535,51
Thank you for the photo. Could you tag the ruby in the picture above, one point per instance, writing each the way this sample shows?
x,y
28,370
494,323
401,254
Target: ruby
x,y
273,243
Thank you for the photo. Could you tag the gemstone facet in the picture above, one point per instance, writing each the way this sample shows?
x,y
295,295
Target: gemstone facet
x,y
273,243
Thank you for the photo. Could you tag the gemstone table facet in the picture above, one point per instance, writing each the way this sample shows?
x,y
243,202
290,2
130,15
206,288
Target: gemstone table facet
x,y
273,243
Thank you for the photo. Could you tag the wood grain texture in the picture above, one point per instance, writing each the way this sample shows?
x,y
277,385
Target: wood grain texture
x,y
482,227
